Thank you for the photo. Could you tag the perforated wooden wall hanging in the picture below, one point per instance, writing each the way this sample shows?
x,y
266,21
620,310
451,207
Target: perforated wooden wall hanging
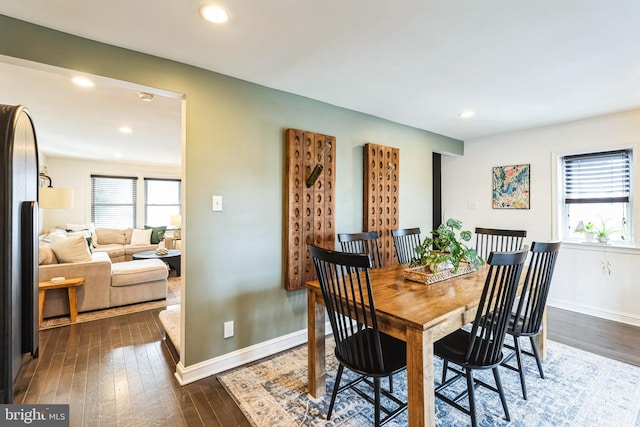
x,y
310,199
381,201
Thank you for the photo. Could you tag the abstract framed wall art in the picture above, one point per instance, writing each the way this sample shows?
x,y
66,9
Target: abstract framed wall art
x,y
511,187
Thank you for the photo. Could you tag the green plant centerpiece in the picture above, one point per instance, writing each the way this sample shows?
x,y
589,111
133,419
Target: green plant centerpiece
x,y
446,247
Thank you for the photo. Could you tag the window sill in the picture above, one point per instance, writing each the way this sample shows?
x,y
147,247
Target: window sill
x,y
595,246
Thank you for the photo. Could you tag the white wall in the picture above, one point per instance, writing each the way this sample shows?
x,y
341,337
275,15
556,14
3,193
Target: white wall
x,y
76,174
580,282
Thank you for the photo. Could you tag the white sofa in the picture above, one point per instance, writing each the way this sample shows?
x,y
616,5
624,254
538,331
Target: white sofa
x,y
105,284
117,244
109,280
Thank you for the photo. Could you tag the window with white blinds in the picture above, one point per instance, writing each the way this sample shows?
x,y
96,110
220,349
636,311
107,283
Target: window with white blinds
x,y
162,200
113,201
598,177
597,190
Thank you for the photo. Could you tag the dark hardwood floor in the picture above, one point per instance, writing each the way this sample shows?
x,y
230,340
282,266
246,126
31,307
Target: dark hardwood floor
x,y
119,371
614,340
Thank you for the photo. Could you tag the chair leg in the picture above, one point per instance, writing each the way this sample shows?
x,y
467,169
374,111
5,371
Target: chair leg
x,y
445,366
536,353
496,376
516,341
376,391
336,386
472,398
391,384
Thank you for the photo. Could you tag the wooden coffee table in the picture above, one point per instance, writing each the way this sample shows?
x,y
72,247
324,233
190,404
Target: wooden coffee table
x,y
172,258
70,284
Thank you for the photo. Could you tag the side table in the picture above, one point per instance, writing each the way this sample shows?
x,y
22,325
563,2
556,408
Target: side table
x,y
71,285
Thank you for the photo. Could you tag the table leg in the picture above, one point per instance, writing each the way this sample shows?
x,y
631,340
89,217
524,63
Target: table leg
x,y
420,384
41,293
73,306
541,338
175,264
315,346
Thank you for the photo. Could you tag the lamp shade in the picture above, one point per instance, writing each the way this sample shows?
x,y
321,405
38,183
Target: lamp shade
x,y
176,220
56,198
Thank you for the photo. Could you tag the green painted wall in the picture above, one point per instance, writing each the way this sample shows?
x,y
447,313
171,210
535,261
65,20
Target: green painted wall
x,y
235,148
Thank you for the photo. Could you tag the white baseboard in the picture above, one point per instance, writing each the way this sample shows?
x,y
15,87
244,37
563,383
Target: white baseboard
x,y
627,318
191,373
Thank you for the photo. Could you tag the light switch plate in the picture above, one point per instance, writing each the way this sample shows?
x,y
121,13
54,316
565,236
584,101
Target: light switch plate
x,y
216,203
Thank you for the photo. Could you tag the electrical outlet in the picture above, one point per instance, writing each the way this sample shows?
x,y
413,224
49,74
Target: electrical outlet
x,y
228,329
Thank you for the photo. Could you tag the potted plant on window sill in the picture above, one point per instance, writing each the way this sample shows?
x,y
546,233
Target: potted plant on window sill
x,y
603,231
444,254
588,230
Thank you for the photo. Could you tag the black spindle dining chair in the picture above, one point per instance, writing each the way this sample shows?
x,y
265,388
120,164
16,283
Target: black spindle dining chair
x,y
481,347
405,241
362,243
360,346
496,240
527,321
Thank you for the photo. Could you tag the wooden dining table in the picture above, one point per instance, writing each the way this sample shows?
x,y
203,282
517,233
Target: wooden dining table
x,y
416,313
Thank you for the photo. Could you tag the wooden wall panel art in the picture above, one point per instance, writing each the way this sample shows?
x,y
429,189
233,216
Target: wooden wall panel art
x,y
310,200
381,196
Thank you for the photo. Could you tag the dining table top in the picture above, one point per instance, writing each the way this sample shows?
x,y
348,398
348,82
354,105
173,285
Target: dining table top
x,y
419,305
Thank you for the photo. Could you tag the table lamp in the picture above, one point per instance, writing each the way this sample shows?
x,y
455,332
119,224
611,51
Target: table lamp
x,y
177,221
54,198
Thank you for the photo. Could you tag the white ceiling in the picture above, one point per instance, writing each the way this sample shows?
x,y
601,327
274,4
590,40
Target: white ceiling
x,y
518,63
76,122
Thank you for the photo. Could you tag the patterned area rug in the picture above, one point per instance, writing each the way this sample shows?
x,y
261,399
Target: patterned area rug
x,y
173,297
579,389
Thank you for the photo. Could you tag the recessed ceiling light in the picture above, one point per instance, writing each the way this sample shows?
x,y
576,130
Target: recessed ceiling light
x,y
125,129
83,81
467,114
214,14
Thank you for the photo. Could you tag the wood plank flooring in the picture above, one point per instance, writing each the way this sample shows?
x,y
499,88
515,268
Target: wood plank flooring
x,y
119,372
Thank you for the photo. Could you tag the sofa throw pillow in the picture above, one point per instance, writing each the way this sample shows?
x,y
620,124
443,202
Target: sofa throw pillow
x,y
110,236
71,249
87,235
157,233
46,255
140,237
80,227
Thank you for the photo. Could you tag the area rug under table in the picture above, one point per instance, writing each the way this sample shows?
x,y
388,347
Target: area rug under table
x,y
579,389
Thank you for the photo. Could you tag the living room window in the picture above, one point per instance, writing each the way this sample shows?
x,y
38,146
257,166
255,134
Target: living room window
x,y
162,199
113,201
596,195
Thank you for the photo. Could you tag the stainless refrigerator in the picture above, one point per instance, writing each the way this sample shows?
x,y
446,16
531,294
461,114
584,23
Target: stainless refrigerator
x,y
18,245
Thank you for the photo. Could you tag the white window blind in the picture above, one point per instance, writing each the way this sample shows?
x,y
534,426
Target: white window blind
x,y
113,201
603,177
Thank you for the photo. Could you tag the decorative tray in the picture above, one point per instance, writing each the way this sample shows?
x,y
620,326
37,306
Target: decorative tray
x,y
423,274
